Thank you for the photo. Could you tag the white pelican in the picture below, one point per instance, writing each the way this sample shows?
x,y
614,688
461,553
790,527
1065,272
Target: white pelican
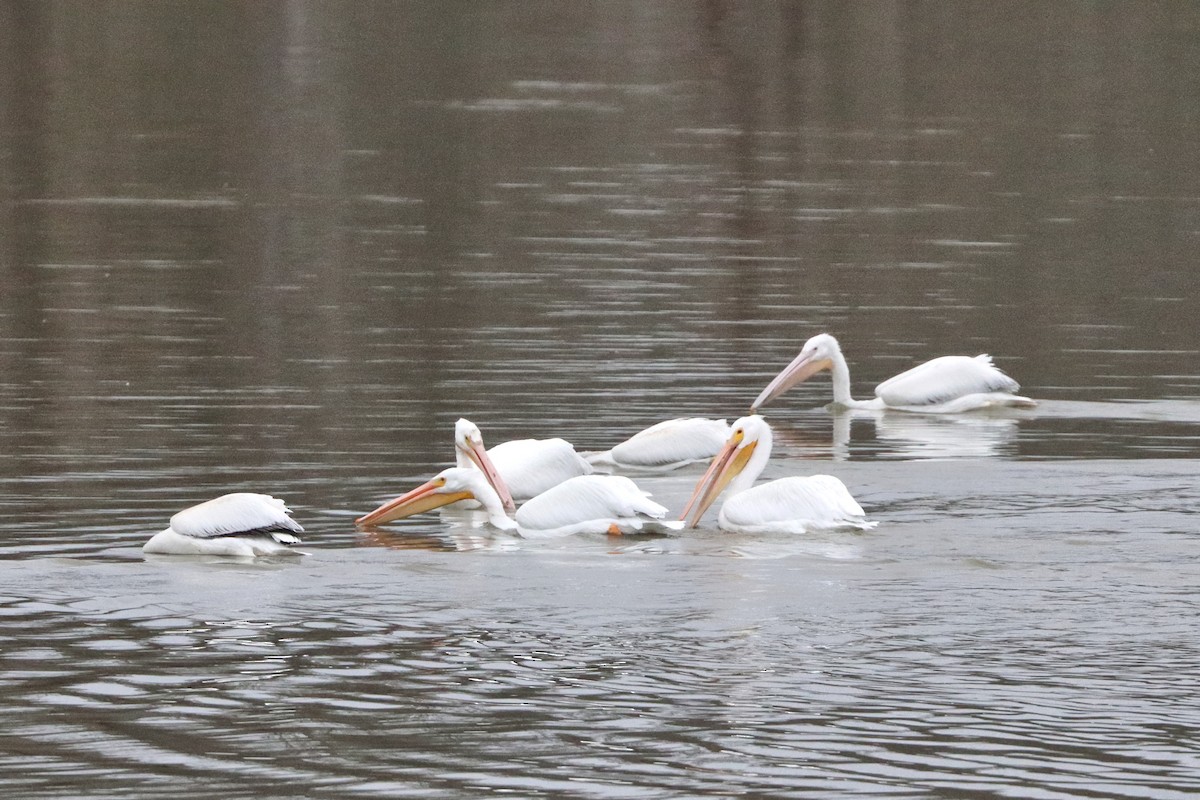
x,y
788,505
240,524
945,385
520,469
666,446
584,504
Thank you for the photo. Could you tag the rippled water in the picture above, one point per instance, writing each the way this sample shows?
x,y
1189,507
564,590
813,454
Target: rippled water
x,y
285,251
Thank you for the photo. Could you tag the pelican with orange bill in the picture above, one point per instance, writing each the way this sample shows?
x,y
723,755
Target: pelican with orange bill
x,y
795,505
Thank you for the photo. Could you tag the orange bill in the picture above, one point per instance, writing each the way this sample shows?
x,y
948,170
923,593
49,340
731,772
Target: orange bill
x,y
481,459
724,468
425,497
802,368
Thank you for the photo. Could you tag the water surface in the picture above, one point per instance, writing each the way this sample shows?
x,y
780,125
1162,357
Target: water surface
x,y
282,247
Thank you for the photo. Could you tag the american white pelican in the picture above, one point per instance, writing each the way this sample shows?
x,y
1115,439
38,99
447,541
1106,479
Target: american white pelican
x,y
666,446
241,524
520,469
583,504
788,505
945,385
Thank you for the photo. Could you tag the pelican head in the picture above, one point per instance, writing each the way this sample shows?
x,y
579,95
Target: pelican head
x,y
748,433
468,442
818,354
448,486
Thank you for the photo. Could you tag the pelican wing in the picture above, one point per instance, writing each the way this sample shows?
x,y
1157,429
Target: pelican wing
x,y
674,442
531,466
813,502
237,514
944,379
586,498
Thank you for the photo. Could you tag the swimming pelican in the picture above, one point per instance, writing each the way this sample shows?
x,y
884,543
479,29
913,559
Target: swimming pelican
x,y
520,469
788,505
945,385
583,504
241,524
666,446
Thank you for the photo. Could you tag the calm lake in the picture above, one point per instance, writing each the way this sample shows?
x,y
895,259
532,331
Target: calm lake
x,y
282,247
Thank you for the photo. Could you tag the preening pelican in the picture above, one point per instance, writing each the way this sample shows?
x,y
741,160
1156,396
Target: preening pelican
x,y
788,505
583,504
241,524
666,446
520,469
945,385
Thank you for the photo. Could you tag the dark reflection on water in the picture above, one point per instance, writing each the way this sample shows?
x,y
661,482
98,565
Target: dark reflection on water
x,y
282,247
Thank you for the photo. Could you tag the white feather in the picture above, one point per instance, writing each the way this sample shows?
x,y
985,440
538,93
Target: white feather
x,y
531,466
239,524
944,379
667,445
242,512
170,543
592,504
793,505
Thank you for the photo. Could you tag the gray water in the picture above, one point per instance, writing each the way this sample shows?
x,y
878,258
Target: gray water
x,y
281,247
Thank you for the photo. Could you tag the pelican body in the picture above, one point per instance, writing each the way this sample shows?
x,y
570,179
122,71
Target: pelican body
x,y
584,504
666,446
945,385
520,469
241,524
787,505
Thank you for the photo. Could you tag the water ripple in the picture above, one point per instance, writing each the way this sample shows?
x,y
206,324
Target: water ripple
x,y
782,697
